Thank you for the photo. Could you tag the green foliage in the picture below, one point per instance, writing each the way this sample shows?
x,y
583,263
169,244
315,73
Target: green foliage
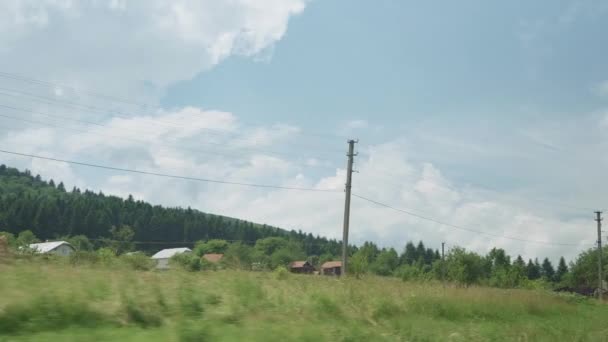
x,y
106,256
358,264
214,246
583,272
281,273
10,239
26,238
143,315
28,202
138,261
463,267
79,242
562,270
385,263
186,261
121,239
238,256
44,313
80,257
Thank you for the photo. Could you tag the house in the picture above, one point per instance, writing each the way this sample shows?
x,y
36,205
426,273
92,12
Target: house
x,y
213,258
162,257
332,268
54,247
301,267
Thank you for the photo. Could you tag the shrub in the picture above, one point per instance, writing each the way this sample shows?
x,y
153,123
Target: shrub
x,y
140,314
83,258
46,313
186,261
138,261
281,273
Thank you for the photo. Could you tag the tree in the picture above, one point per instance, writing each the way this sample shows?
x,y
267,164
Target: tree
x,y
10,239
533,270
214,246
464,267
238,255
562,270
121,239
547,270
386,262
409,255
80,242
26,238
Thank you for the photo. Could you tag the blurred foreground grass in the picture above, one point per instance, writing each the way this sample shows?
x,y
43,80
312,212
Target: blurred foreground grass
x,y
49,301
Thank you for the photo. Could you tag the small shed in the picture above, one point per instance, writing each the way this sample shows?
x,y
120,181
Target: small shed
x,y
162,257
332,268
53,247
213,258
301,267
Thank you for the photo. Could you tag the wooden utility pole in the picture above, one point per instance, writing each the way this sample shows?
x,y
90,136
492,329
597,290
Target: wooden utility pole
x,y
442,264
598,219
349,183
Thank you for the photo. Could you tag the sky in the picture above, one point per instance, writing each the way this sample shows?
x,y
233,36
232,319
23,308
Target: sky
x,y
481,116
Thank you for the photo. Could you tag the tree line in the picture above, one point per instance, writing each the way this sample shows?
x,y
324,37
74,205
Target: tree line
x,y
32,209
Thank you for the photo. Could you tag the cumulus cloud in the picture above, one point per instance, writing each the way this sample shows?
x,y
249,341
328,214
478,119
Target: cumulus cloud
x,y
130,47
138,48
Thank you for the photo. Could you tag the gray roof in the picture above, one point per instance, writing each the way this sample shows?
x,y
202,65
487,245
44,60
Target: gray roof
x,y
167,253
45,247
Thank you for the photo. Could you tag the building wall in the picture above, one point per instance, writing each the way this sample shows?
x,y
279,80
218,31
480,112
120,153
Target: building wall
x,y
63,250
162,263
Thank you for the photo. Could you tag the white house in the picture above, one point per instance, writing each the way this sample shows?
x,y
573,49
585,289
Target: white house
x,y
162,257
55,247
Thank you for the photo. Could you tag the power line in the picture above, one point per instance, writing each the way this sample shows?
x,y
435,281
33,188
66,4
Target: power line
x,y
59,117
126,101
485,187
123,115
461,227
139,141
149,173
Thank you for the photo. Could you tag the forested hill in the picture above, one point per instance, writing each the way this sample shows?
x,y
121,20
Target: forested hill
x,y
51,211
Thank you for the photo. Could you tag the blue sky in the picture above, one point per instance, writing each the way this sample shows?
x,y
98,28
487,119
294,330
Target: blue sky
x,y
489,115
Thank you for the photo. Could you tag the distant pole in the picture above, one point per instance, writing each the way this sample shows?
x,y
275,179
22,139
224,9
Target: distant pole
x,y
349,183
599,254
442,264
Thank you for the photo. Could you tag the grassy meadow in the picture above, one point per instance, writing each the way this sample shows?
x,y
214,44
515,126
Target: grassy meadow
x,y
41,301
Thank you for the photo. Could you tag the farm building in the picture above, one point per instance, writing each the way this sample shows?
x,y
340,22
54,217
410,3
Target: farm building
x,y
54,247
162,257
301,267
213,258
332,268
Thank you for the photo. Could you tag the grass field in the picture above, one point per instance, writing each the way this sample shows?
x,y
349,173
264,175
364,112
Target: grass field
x,y
57,302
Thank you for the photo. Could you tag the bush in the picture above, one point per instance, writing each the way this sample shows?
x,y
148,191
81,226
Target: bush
x,y
106,256
83,258
138,261
47,313
187,261
281,273
140,314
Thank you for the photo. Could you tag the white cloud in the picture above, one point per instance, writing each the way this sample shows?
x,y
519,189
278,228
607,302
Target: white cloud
x,y
120,46
152,44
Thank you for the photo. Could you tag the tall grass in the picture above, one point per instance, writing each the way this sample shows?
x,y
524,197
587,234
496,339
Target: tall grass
x,y
59,301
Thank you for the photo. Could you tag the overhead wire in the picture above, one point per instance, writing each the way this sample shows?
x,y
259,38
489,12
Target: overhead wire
x,y
128,101
139,141
477,231
71,119
165,175
147,118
